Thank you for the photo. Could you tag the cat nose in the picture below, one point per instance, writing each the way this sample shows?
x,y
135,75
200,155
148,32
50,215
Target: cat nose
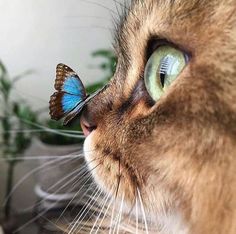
x,y
87,124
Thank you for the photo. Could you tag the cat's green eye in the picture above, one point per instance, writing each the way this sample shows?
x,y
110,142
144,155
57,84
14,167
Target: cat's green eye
x,y
162,68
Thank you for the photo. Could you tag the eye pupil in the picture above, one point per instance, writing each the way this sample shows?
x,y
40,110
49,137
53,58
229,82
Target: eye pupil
x,y
162,78
163,70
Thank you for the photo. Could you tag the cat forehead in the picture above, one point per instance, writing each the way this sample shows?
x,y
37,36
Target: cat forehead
x,y
206,30
192,25
179,9
174,19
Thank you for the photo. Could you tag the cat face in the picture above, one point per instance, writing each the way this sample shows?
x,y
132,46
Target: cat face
x,y
177,153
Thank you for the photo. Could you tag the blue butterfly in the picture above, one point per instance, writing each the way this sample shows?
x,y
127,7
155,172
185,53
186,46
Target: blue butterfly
x,y
70,97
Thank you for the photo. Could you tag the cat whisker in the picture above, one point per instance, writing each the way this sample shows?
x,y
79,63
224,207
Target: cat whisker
x,y
43,157
101,210
38,216
75,196
120,214
88,207
123,7
59,189
118,182
54,224
82,199
118,185
51,130
116,194
84,212
80,214
105,214
136,213
142,209
91,206
53,163
115,219
100,5
112,217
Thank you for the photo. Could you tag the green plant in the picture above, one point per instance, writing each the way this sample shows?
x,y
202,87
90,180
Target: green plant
x,y
14,135
108,66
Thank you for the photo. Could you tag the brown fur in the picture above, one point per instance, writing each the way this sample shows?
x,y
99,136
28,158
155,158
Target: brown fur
x,y
181,152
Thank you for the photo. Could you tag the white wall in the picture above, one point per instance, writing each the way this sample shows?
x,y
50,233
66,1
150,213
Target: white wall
x,y
38,34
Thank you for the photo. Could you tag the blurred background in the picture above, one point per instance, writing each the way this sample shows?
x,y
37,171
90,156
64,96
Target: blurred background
x,y
37,153
37,35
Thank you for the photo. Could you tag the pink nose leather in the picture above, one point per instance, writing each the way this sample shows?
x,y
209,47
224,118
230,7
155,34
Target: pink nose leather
x,y
86,126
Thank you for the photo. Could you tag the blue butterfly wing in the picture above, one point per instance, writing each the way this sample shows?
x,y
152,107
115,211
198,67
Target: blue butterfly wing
x,y
70,97
69,102
80,105
70,93
73,85
68,81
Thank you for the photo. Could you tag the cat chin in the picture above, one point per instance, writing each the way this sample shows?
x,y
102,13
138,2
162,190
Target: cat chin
x,y
107,179
89,154
167,222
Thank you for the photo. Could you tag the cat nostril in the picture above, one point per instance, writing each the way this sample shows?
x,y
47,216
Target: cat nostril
x,y
86,126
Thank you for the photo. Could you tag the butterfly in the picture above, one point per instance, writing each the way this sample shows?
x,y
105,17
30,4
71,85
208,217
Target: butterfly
x,y
70,96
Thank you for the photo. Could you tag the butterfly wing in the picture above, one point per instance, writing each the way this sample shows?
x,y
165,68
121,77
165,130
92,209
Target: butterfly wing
x,y
68,81
70,97
70,93
80,106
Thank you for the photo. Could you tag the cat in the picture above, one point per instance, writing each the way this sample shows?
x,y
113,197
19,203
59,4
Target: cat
x,y
161,138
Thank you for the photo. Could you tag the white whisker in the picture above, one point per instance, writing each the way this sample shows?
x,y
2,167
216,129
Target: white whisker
x,y
52,130
98,4
31,173
59,189
75,196
143,211
101,210
80,214
105,214
93,207
44,157
36,217
78,217
112,217
120,214
136,213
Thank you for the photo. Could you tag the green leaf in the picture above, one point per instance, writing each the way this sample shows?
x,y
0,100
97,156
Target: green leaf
x,y
103,53
3,70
